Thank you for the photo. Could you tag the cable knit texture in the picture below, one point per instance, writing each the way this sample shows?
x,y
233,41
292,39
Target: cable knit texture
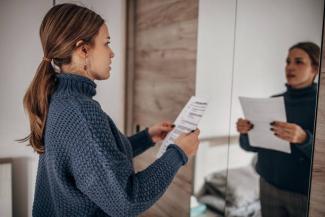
x,y
87,167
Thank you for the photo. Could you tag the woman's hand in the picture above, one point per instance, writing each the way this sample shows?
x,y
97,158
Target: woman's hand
x,y
189,143
159,131
292,133
243,126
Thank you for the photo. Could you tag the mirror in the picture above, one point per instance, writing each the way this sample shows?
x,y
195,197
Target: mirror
x,y
213,80
243,50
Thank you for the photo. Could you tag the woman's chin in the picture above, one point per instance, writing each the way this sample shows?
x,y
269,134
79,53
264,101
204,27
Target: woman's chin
x,y
291,82
106,75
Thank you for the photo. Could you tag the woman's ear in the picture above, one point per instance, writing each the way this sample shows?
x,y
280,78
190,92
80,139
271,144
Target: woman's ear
x,y
82,48
79,43
316,70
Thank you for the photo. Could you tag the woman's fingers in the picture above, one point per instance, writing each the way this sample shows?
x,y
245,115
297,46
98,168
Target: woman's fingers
x,y
166,129
287,138
247,127
283,125
197,131
280,127
243,126
283,133
167,124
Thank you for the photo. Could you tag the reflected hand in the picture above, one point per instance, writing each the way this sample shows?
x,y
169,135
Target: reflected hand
x,y
292,133
159,131
243,126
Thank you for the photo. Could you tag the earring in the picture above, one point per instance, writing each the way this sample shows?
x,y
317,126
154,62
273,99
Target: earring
x,y
86,63
86,58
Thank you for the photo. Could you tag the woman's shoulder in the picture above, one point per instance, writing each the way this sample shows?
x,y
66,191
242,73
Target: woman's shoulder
x,y
75,109
75,102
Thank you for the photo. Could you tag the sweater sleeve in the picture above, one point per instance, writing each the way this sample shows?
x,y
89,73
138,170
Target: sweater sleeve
x,y
306,147
104,173
244,143
140,142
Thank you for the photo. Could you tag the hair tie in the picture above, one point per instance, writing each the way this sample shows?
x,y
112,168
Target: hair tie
x,y
46,59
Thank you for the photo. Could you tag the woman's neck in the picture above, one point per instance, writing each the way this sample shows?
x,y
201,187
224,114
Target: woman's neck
x,y
73,70
301,86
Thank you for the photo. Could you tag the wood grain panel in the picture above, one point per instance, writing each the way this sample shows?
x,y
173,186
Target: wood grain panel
x,y
317,193
162,66
165,58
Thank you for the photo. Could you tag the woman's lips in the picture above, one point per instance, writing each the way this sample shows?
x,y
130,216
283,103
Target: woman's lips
x,y
290,76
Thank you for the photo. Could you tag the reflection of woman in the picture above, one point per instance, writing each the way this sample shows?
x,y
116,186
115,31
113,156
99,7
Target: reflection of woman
x,y
285,177
85,165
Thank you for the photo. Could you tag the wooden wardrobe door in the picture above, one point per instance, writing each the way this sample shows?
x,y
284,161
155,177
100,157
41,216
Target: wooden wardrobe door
x,y
317,192
161,55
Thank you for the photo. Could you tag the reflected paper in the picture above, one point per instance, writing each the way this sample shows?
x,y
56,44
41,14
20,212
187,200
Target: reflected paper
x,y
261,112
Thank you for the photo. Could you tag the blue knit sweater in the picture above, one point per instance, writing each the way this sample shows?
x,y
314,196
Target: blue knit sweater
x,y
87,167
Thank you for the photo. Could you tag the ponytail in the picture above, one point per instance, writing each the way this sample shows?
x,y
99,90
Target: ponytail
x,y
60,30
36,103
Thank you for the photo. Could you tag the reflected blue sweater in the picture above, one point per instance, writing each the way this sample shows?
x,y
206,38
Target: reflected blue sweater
x,y
290,172
87,167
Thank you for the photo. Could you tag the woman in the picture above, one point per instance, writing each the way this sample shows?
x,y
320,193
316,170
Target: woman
x,y
85,164
284,178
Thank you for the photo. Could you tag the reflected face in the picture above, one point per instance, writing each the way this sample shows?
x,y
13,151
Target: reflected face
x,y
299,69
101,55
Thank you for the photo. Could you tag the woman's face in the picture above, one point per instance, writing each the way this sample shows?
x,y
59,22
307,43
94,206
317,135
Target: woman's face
x,y
100,56
299,69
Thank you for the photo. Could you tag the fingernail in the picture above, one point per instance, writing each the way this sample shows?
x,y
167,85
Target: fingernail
x,y
252,126
272,129
272,123
275,134
192,131
173,125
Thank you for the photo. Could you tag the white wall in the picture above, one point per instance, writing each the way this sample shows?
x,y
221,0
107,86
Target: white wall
x,y
21,53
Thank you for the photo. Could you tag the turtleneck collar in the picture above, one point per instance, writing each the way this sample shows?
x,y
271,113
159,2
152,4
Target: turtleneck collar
x,y
68,83
311,89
